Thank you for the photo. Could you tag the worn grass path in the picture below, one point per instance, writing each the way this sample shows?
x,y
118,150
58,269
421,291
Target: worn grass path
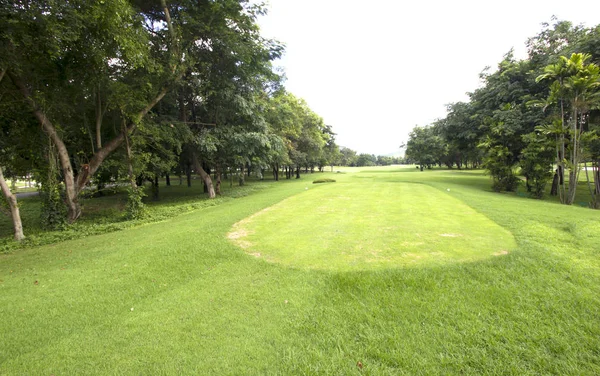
x,y
178,297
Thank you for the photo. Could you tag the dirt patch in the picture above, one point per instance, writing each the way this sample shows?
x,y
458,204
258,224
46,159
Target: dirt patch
x,y
451,235
501,253
238,233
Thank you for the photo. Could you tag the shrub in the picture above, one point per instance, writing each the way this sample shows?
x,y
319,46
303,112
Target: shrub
x,y
324,181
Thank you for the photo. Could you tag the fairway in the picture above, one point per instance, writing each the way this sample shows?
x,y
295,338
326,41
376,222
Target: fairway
x,y
358,226
385,268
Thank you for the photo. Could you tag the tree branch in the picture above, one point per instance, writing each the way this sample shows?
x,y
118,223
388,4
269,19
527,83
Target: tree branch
x,y
113,144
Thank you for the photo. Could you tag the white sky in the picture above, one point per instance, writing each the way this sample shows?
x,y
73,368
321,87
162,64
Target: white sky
x,y
374,69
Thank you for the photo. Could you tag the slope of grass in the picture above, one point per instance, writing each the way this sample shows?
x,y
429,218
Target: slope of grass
x,y
106,213
177,297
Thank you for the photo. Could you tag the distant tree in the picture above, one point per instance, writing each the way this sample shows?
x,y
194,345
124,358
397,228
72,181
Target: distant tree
x,y
424,147
383,160
348,157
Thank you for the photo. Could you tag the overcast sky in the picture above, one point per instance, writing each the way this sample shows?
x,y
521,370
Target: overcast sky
x,y
374,69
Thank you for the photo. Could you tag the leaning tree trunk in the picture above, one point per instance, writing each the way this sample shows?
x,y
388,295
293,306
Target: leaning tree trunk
x,y
74,184
14,208
205,177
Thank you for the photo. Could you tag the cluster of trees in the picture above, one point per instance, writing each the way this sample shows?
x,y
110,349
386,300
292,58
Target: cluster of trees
x,y
131,90
538,116
351,158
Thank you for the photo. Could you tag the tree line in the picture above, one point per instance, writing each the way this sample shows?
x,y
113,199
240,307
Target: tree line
x,y
97,92
538,117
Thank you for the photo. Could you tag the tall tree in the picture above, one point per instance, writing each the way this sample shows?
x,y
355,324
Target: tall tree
x,y
574,90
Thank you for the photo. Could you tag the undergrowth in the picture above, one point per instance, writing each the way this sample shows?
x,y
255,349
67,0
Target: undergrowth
x,y
108,215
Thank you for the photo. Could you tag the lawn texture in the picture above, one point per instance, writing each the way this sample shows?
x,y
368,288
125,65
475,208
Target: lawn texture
x,y
179,297
383,225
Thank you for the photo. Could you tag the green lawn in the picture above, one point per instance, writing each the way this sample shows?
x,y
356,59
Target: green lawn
x,y
382,225
179,297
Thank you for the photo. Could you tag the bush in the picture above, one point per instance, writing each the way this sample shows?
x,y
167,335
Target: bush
x,y
324,181
135,208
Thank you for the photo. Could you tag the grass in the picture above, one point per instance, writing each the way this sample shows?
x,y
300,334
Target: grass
x,y
384,225
177,297
105,213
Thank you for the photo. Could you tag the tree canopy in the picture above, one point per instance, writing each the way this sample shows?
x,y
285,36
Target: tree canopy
x,y
537,117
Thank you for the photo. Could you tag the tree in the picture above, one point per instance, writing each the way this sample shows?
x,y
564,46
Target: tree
x,y
348,157
119,59
574,92
424,147
13,206
536,162
366,160
54,51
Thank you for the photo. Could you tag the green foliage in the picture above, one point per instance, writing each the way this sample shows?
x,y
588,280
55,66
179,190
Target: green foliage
x,y
53,213
425,147
348,157
105,214
135,208
536,163
574,92
503,174
326,180
366,160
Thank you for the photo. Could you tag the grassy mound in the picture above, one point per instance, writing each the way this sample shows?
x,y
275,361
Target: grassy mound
x,y
386,225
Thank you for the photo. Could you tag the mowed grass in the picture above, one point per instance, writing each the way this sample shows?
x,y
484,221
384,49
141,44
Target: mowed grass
x,y
178,297
359,226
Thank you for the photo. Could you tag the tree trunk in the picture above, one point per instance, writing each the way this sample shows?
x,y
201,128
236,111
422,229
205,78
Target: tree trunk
x,y
555,181
241,177
205,177
218,179
597,177
14,208
99,116
527,185
188,174
74,185
297,172
168,178
155,188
